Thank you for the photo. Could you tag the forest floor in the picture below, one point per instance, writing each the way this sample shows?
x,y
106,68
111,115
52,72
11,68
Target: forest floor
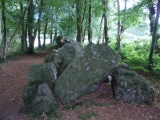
x,y
99,105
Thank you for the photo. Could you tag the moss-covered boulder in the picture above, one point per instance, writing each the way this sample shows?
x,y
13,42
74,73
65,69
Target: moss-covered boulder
x,y
128,86
63,56
42,73
85,72
44,100
38,74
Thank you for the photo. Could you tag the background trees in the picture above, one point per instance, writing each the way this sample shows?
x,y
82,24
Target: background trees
x,y
37,21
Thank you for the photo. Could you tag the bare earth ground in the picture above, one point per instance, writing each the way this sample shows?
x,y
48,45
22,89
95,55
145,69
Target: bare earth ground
x,y
96,106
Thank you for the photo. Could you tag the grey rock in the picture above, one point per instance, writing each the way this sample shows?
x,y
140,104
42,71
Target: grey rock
x,y
28,96
38,74
61,40
128,86
43,90
44,101
42,73
85,72
63,56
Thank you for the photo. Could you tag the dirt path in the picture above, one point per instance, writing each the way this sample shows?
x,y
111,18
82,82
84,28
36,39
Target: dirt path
x,y
96,106
13,78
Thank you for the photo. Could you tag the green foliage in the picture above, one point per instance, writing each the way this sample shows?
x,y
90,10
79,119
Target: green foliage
x,y
135,14
14,49
136,55
156,66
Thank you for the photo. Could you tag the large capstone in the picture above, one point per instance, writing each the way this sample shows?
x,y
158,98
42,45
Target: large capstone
x,y
128,86
63,56
85,72
44,100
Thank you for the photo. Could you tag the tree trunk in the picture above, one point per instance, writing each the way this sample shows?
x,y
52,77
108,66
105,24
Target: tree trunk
x,y
69,26
30,23
23,36
45,31
79,24
0,27
39,19
100,29
151,15
55,34
51,33
4,41
80,13
154,36
90,23
38,26
39,37
118,44
106,37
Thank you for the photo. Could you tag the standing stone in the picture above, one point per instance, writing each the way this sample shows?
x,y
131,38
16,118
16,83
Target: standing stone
x,y
85,72
128,86
44,101
42,73
38,74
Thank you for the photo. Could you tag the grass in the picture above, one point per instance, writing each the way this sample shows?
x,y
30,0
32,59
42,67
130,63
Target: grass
x,y
2,65
73,106
87,115
87,104
56,115
43,116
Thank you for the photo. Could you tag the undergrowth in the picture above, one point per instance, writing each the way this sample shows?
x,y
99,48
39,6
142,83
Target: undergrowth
x,y
136,55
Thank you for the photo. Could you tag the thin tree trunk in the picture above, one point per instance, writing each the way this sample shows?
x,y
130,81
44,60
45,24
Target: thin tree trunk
x,y
80,19
69,26
45,31
118,44
106,37
55,33
124,19
51,33
154,36
79,23
38,26
23,36
39,37
30,23
90,23
4,42
39,19
151,15
100,28
0,27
